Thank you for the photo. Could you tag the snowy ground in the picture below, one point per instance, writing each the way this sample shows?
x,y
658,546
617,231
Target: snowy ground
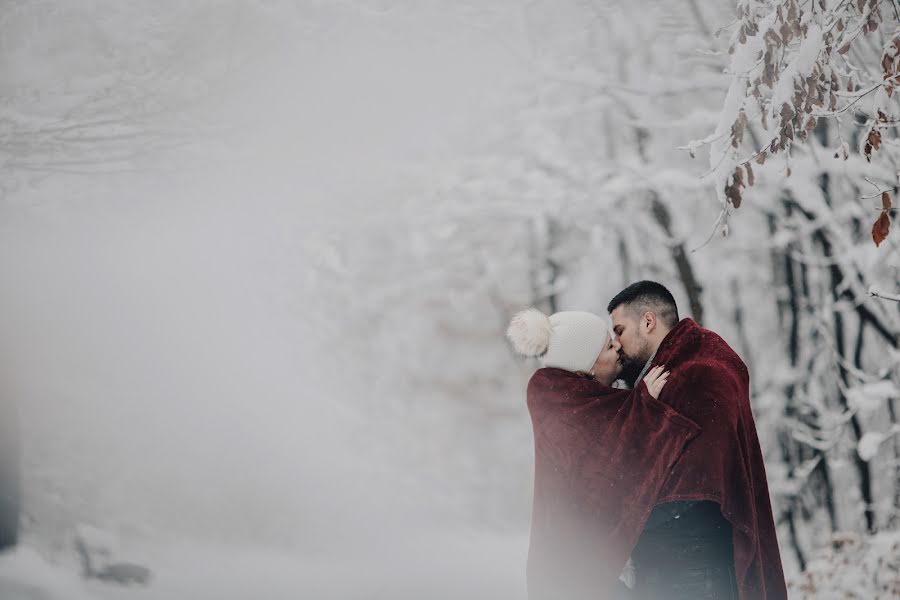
x,y
852,566
438,566
471,566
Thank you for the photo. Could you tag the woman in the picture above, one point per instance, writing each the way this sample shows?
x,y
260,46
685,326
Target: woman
x,y
601,454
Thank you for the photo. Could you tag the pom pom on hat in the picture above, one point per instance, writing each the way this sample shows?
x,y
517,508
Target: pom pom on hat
x,y
570,340
529,331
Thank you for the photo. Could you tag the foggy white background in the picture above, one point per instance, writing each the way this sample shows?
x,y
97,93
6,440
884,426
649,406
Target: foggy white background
x,y
258,257
181,374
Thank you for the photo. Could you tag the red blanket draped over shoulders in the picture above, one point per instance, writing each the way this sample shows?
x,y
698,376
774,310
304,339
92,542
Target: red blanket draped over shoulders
x,y
709,384
605,457
601,459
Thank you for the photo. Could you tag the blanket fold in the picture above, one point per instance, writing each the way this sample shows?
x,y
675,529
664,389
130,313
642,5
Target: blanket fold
x,y
601,458
605,457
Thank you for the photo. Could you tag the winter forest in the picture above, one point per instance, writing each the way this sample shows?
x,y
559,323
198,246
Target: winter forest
x,y
258,258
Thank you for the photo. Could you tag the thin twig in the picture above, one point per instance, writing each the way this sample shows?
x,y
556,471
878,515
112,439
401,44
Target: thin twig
x,y
722,217
724,27
874,185
862,95
876,293
878,195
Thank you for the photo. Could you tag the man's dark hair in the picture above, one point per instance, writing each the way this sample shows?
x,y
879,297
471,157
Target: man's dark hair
x,y
648,295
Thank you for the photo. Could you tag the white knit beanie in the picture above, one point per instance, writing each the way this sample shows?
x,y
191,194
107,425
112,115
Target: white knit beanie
x,y
570,340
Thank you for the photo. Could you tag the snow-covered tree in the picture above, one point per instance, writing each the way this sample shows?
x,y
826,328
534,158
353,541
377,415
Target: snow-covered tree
x,y
810,81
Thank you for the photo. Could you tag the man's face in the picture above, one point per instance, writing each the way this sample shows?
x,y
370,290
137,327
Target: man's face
x,y
635,348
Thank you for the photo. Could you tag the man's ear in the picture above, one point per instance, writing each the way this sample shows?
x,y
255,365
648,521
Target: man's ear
x,y
648,321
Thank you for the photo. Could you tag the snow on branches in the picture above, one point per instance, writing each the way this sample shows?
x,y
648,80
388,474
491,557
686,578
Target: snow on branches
x,y
792,63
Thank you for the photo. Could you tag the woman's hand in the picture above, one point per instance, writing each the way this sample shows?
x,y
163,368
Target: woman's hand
x,y
655,380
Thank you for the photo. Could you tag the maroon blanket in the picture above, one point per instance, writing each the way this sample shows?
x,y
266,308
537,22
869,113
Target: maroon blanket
x,y
605,457
601,458
710,385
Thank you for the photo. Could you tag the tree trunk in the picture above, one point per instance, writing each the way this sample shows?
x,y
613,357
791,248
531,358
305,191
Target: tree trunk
x,y
787,443
10,475
682,263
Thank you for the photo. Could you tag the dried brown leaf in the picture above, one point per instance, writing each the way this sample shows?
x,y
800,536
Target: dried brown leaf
x,y
787,113
737,128
769,73
882,228
733,193
874,139
786,33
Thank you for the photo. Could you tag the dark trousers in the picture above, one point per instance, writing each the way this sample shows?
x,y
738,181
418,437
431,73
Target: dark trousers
x,y
685,553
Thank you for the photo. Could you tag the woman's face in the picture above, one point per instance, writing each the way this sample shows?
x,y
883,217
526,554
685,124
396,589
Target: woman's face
x,y
607,366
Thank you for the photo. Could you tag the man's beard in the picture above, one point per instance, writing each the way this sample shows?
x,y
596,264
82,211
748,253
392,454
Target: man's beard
x,y
630,371
633,365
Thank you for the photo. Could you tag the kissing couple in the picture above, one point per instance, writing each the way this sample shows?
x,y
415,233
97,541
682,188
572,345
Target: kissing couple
x,y
657,492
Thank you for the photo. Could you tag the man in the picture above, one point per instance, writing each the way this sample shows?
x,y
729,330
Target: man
x,y
641,335
711,533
